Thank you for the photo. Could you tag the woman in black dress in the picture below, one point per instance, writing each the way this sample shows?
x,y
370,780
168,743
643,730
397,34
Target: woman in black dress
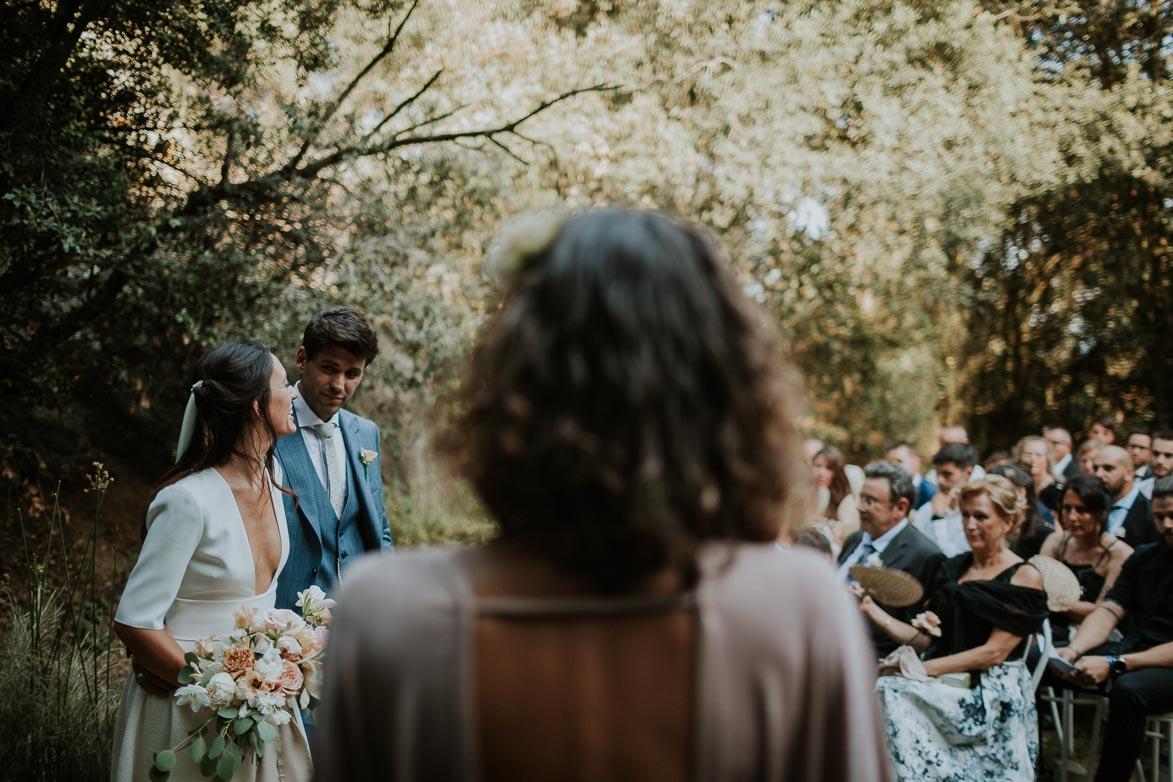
x,y
1084,544
991,600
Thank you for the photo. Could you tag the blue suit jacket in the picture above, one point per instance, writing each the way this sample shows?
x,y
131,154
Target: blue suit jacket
x,y
304,566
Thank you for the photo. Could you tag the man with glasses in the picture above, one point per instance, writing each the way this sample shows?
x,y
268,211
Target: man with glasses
x,y
1066,467
886,538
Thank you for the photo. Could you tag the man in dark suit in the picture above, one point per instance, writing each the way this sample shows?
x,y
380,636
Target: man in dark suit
x,y
904,454
333,460
1066,467
1139,445
886,534
1131,516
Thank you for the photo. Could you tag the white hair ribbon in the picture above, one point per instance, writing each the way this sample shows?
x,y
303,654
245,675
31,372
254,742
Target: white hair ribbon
x,y
187,429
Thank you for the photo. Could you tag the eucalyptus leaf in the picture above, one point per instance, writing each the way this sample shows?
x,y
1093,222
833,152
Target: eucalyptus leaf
x,y
217,747
165,760
226,766
185,675
266,730
199,748
228,713
242,725
191,659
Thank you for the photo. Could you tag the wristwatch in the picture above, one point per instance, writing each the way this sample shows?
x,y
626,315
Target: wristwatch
x,y
1117,665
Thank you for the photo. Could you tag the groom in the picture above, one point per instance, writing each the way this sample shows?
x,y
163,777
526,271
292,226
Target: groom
x,y
332,461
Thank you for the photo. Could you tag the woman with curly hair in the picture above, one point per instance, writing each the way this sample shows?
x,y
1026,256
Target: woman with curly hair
x,y
627,418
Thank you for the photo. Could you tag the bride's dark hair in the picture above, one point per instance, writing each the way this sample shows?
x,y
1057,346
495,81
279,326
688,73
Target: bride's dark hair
x,y
627,402
234,386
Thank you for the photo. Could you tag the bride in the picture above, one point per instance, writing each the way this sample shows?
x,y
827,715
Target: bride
x,y
215,540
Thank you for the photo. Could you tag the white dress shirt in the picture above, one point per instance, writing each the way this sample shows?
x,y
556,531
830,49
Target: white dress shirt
x,y
307,419
1119,510
1060,468
879,544
947,532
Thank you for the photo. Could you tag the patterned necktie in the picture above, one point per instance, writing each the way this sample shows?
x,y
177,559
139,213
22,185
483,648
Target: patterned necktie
x,y
866,552
331,466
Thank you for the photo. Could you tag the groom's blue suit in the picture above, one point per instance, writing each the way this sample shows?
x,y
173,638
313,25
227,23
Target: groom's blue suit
x,y
364,526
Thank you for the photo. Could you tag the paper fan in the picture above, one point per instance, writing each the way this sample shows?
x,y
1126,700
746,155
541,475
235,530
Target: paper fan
x,y
891,587
1060,583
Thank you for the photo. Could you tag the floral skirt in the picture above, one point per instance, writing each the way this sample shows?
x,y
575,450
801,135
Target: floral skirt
x,y
953,734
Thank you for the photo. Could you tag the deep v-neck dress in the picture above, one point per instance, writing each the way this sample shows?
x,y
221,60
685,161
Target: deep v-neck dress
x,y
195,568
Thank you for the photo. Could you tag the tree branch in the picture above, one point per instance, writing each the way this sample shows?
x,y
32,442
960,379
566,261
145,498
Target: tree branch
x,y
320,125
312,168
411,99
498,143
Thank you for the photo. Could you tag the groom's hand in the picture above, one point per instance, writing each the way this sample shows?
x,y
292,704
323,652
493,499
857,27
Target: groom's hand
x,y
150,682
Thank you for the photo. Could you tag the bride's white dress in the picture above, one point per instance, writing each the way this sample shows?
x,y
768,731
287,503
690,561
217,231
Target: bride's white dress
x,y
195,568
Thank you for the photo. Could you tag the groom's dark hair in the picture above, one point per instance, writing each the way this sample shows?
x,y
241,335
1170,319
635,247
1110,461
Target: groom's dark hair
x,y
345,327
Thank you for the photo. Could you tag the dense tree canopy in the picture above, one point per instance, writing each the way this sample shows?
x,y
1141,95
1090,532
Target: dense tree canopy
x,y
958,210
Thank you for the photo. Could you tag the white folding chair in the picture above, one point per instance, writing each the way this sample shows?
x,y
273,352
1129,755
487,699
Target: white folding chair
x,y
1159,727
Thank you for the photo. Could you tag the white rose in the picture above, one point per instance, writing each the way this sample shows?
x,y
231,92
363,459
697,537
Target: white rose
x,y
269,666
280,619
279,717
262,644
221,689
193,695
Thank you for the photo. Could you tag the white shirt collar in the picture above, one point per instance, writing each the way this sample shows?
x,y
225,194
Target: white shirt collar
x,y
882,542
305,415
1126,501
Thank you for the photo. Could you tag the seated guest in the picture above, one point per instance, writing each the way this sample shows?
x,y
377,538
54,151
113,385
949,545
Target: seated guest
x,y
627,418
1033,454
887,535
1139,667
997,459
836,506
938,519
1103,429
1085,546
904,454
1086,456
1139,445
1131,517
1162,463
1066,466
990,601
1039,523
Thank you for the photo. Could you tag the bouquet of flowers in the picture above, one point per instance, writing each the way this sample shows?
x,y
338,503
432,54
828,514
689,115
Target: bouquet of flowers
x,y
250,682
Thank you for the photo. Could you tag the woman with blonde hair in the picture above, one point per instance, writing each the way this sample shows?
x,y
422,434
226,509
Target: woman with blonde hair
x,y
627,418
979,721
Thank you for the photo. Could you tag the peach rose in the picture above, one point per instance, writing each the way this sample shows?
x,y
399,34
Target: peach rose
x,y
291,678
238,660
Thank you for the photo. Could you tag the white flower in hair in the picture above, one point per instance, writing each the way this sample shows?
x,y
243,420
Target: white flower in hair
x,y
520,241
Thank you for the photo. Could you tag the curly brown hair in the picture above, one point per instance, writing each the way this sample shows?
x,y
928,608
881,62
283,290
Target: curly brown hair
x,y
627,402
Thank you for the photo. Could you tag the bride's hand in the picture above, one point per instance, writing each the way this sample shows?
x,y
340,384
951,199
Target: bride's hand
x,y
150,682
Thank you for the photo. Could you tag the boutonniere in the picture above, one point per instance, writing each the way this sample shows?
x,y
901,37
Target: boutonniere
x,y
367,458
874,561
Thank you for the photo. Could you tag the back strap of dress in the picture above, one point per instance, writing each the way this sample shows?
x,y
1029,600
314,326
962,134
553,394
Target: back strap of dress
x,y
530,607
